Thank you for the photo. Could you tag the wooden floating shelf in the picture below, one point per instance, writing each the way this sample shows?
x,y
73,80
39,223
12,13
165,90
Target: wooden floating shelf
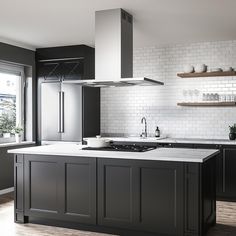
x,y
206,104
207,74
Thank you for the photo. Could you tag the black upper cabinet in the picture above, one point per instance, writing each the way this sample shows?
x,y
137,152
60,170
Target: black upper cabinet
x,y
61,70
73,69
49,71
68,62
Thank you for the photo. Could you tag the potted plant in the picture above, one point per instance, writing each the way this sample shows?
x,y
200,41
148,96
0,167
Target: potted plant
x,y
6,125
232,132
17,130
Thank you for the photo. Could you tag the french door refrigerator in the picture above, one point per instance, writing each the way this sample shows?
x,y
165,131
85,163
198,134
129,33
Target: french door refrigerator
x,y
61,112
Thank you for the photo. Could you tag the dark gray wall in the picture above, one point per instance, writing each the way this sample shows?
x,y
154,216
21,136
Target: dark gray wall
x,y
25,57
7,167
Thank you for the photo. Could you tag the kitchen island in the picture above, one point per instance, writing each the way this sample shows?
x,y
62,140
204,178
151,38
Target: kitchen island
x,y
160,192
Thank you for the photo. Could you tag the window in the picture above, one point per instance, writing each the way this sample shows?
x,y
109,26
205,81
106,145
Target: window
x,y
11,100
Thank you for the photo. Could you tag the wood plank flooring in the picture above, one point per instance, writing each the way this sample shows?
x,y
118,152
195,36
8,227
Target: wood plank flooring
x,y
226,223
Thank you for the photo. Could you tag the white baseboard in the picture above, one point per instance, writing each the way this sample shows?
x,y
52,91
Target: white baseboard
x,y
7,190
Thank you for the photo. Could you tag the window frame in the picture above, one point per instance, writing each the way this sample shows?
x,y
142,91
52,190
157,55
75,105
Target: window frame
x,y
19,71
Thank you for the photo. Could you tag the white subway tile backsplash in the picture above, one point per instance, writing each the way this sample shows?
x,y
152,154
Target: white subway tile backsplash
x,y
123,108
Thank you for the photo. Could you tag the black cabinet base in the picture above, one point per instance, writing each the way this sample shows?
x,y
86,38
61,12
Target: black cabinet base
x,y
21,218
90,228
124,197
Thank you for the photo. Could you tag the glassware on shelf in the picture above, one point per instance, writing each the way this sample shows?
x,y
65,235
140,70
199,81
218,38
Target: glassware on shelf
x,y
185,94
211,97
190,92
228,98
222,98
196,95
204,97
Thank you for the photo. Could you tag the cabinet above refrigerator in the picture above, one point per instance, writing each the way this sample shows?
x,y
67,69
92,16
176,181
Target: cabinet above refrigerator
x,y
66,112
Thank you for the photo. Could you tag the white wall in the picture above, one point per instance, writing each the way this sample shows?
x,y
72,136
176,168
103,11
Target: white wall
x,y
123,108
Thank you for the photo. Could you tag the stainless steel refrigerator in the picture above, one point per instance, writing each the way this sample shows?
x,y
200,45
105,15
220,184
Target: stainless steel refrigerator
x,y
61,112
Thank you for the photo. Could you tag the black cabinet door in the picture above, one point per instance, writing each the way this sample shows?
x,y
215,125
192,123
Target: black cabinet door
x,y
62,188
161,197
64,69
229,173
73,69
78,189
49,70
219,166
141,195
41,185
117,201
182,145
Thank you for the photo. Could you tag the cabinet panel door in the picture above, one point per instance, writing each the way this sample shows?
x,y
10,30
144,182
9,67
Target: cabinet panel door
x,y
219,174
79,189
73,69
116,187
229,173
161,197
41,185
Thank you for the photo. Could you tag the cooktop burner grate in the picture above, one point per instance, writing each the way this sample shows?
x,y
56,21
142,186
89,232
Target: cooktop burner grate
x,y
123,148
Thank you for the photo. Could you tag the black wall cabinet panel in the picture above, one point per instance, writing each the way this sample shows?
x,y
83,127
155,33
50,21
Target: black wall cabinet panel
x,y
229,173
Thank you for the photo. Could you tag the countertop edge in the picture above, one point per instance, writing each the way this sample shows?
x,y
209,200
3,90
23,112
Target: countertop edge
x,y
95,155
16,144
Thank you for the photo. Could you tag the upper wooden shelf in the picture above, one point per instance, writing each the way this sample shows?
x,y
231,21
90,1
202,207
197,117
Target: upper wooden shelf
x,y
207,74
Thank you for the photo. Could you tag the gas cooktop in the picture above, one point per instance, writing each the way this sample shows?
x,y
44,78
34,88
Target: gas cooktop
x,y
123,148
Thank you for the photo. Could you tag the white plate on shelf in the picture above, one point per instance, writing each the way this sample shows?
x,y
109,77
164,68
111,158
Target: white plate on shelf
x,y
228,69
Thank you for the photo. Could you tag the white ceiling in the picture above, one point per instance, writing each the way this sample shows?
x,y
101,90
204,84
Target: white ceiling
x,y
46,23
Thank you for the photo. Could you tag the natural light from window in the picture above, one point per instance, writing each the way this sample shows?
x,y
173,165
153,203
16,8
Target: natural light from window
x,y
10,103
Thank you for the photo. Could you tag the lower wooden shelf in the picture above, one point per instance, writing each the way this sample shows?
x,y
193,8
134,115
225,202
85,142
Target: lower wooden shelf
x,y
207,104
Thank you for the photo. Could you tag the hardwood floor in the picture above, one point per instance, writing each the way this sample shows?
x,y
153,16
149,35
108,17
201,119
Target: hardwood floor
x,y
9,228
226,223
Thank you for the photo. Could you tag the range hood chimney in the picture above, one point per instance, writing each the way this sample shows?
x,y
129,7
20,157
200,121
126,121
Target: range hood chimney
x,y
114,52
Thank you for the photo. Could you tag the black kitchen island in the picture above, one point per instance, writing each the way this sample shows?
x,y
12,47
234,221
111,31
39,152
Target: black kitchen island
x,y
151,193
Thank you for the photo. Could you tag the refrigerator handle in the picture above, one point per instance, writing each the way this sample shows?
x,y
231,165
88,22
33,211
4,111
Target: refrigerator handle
x,y
59,112
62,112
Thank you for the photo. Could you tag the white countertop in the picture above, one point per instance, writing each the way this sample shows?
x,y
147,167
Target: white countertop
x,y
173,140
159,154
16,144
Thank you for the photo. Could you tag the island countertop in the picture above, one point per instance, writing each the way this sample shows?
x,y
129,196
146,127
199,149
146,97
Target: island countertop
x,y
172,140
159,154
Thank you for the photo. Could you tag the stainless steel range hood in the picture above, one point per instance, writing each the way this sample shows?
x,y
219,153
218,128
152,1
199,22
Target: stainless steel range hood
x,y
114,52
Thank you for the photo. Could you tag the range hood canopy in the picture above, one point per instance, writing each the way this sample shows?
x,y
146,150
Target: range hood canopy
x,y
114,52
